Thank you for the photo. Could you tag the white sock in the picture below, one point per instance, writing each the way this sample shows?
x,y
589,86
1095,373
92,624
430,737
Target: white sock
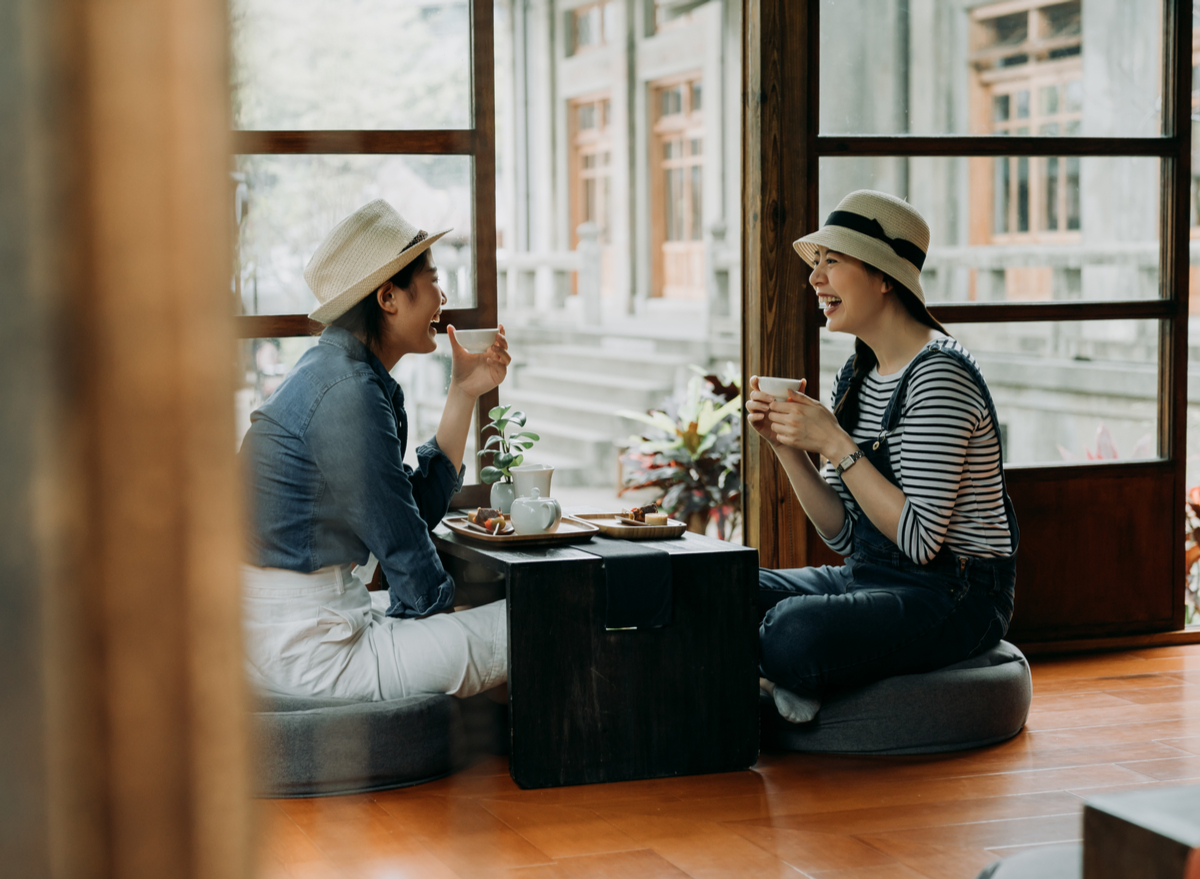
x,y
797,709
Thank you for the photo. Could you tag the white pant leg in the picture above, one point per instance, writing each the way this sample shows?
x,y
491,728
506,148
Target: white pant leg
x,y
460,653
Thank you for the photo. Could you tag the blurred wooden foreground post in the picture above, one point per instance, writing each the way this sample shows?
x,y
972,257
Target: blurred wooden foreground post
x,y
122,707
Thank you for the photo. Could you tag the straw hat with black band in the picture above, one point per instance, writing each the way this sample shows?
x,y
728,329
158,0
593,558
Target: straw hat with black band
x,y
883,231
362,252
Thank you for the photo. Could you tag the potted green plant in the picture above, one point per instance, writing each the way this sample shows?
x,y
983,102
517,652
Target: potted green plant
x,y
507,450
693,453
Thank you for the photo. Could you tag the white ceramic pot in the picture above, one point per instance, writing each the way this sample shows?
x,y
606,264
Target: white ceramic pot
x,y
502,496
535,514
527,477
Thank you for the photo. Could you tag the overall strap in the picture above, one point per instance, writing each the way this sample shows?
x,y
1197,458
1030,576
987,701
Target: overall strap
x,y
845,374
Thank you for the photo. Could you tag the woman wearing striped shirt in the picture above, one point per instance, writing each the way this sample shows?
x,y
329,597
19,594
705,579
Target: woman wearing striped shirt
x,y
913,492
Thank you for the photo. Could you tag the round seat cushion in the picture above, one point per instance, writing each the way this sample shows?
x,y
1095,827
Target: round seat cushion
x,y
317,747
976,702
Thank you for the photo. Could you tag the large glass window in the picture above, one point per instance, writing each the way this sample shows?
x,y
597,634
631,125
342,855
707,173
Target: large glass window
x,y
370,64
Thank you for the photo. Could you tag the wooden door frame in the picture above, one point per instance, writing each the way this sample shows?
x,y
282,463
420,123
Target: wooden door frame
x,y
781,152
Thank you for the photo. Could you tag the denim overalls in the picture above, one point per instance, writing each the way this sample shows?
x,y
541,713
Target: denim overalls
x,y
882,614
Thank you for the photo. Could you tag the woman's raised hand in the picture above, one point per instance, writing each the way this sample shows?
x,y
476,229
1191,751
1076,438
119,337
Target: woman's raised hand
x,y
477,374
802,423
758,408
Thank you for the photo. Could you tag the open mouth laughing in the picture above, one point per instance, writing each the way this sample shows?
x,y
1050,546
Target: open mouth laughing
x,y
829,304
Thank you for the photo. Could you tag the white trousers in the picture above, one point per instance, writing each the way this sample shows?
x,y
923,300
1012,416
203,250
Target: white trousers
x,y
324,634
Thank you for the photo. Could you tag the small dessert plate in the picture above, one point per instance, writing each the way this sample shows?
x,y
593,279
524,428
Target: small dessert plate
x,y
614,525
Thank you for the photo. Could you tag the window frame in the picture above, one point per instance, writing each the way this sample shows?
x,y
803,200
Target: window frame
x,y
478,142
782,147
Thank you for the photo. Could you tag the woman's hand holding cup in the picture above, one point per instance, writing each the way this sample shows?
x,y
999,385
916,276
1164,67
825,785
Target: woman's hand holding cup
x,y
476,374
758,404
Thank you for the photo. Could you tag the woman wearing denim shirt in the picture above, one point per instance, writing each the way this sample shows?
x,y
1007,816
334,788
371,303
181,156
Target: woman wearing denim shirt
x,y
913,489
328,488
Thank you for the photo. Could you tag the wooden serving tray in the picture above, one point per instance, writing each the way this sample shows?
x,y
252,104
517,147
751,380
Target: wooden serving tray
x,y
612,525
570,530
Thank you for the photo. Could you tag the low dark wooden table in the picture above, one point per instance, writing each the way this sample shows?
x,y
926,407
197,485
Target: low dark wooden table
x,y
590,705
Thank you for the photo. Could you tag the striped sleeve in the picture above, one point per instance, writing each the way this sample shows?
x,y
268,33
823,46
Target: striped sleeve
x,y
942,411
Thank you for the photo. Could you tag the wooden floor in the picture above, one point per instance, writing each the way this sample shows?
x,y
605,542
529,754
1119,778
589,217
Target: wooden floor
x,y
1101,723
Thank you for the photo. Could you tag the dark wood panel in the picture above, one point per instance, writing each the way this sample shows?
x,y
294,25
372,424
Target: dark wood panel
x,y
484,102
282,326
993,145
779,173
1175,274
276,326
1011,312
1097,552
413,143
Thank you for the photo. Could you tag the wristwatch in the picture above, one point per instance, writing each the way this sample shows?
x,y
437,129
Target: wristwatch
x,y
848,461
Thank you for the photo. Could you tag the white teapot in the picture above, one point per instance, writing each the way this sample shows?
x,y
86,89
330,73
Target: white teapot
x,y
535,514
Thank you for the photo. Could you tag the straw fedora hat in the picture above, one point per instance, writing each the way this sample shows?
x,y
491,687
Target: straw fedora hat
x,y
362,252
883,231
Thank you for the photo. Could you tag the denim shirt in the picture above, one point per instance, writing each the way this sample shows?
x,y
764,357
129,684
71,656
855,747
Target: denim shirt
x,y
327,483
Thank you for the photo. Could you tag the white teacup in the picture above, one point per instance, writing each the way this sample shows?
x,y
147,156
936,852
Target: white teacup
x,y
778,387
476,341
527,477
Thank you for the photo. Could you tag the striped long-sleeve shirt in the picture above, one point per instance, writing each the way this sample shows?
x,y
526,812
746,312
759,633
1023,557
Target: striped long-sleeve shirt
x,y
945,453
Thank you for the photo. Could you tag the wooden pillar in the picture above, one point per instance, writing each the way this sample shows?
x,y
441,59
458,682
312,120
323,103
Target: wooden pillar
x,y
117,405
779,204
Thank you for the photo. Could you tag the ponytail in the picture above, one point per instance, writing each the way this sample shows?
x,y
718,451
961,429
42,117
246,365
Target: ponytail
x,y
865,360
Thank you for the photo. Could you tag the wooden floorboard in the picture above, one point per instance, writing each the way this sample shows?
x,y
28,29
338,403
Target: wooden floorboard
x,y
1102,723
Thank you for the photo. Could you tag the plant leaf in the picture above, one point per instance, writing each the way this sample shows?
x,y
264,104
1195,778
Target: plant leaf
x,y
495,412
526,433
490,475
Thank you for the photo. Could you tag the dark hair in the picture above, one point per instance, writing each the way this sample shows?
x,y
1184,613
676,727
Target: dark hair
x,y
865,360
365,319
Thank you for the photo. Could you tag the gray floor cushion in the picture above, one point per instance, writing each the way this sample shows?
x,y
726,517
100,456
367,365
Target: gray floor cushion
x,y
1063,861
317,747
973,703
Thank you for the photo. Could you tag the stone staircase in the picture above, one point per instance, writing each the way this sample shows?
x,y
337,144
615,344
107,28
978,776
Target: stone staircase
x,y
572,383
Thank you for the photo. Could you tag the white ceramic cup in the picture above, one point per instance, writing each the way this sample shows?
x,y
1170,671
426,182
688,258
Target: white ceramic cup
x,y
778,387
476,341
527,477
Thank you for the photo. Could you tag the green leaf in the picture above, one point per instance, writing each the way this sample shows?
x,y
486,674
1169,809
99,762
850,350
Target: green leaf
x,y
526,433
709,418
490,475
517,461
503,460
519,417
497,411
493,441
525,446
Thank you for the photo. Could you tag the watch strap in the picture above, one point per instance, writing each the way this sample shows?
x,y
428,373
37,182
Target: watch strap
x,y
848,461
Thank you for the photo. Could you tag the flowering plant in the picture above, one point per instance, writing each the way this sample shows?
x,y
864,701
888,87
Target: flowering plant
x,y
692,450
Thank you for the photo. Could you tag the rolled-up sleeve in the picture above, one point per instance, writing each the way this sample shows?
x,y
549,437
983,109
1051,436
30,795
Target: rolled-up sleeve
x,y
434,482
391,507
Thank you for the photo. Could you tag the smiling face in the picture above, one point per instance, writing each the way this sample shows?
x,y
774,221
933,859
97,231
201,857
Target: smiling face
x,y
417,310
851,293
